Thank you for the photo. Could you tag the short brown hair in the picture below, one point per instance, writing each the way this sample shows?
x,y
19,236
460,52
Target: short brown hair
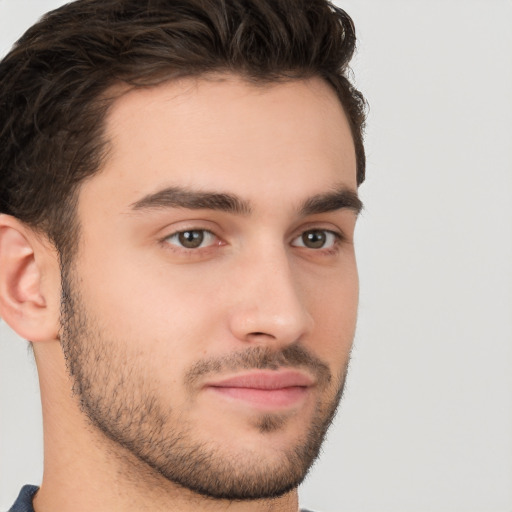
x,y
54,82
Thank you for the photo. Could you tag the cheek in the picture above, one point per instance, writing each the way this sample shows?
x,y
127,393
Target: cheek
x,y
334,309
139,300
149,318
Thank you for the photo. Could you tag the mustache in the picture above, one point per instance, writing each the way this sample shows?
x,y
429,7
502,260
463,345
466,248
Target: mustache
x,y
262,358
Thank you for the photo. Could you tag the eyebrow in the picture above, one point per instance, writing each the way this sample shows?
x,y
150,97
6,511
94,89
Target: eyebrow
x,y
339,199
178,197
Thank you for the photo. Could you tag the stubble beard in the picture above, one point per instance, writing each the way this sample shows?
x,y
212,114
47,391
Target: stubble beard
x,y
121,401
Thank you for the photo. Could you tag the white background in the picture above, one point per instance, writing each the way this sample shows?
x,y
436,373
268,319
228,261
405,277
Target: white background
x,y
426,422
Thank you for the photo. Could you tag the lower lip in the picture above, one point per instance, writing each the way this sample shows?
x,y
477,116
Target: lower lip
x,y
264,398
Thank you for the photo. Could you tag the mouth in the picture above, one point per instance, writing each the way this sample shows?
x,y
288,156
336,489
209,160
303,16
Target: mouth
x,y
266,390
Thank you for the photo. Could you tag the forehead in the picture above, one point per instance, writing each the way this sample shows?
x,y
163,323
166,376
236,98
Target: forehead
x,y
225,132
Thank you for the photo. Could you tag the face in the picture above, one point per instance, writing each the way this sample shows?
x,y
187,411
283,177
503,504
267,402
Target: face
x,y
210,309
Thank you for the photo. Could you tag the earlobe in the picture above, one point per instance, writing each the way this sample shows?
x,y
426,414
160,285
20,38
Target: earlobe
x,y
27,282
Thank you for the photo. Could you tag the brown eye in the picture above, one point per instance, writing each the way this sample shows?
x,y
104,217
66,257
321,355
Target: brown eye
x,y
314,239
317,239
192,239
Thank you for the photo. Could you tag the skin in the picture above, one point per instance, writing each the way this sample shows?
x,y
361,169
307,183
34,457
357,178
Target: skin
x,y
152,310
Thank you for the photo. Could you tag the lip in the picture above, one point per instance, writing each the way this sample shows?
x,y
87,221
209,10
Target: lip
x,y
265,379
264,389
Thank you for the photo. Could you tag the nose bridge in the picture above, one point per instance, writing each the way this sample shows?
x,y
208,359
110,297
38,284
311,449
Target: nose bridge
x,y
269,301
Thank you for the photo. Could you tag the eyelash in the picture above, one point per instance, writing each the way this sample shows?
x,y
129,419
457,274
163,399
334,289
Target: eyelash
x,y
335,240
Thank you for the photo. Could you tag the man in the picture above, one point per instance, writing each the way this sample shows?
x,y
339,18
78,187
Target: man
x,y
178,201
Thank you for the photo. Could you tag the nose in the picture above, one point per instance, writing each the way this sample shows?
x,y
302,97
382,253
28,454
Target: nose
x,y
269,303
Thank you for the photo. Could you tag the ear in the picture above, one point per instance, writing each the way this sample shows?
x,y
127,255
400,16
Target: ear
x,y
29,281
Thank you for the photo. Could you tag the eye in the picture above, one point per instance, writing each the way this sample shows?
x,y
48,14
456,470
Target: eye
x,y
192,238
317,239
